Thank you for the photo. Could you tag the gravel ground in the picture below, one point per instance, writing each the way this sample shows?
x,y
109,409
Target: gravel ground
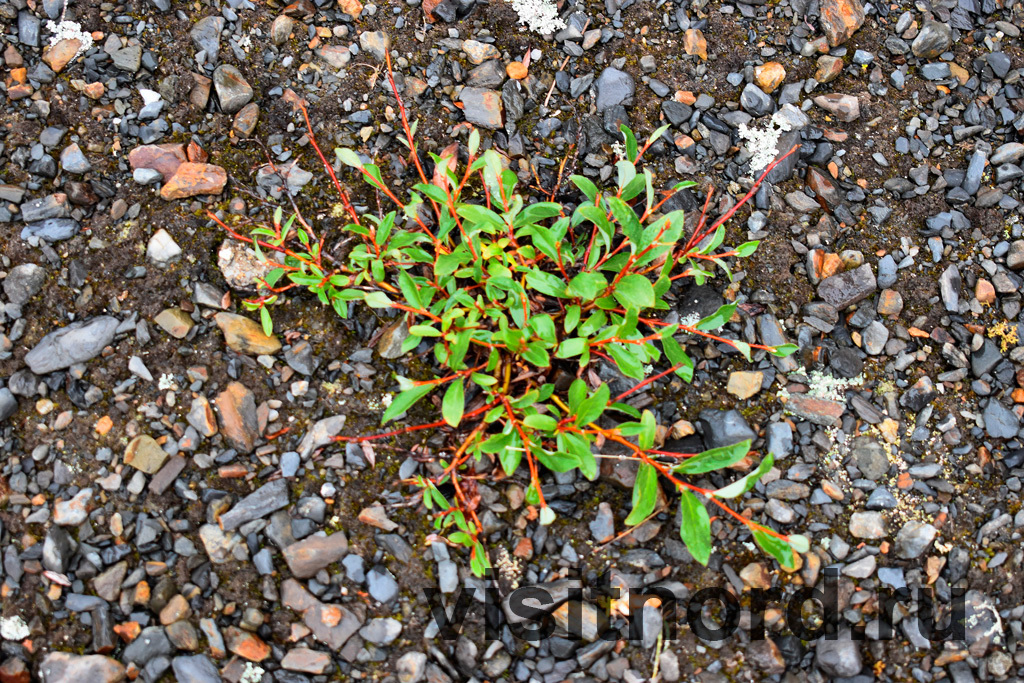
x,y
172,506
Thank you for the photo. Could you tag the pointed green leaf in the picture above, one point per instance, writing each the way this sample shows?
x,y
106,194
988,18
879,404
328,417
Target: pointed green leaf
x,y
714,459
645,494
695,527
405,400
454,402
741,486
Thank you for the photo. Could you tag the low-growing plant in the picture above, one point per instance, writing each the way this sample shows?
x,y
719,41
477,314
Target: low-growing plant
x,y
507,293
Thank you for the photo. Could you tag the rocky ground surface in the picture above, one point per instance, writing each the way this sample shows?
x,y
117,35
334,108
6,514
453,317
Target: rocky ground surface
x,y
171,504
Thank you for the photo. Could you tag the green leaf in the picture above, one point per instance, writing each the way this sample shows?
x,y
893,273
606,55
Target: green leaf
x,y
775,547
547,516
627,218
544,423
585,185
572,317
348,157
631,147
266,320
741,486
799,543
592,407
571,347
587,286
742,347
714,459
405,400
635,291
424,331
695,527
645,438
378,300
625,357
409,289
784,350
717,319
474,141
746,249
557,462
510,459
454,402
546,283
645,494
677,357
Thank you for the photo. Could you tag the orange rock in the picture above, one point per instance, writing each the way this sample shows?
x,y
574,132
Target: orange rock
x,y
890,302
516,70
904,481
686,97
354,8
984,291
94,91
17,76
1018,395
19,92
191,180
128,631
769,76
695,44
246,645
104,425
524,549
58,56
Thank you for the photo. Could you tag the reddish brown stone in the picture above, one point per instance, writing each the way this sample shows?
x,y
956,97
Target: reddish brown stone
x,y
246,645
840,18
58,56
308,556
306,661
236,406
14,671
694,43
165,158
191,180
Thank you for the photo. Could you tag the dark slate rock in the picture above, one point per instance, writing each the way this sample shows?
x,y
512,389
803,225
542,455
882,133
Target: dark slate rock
x,y
846,289
724,428
51,229
614,87
258,504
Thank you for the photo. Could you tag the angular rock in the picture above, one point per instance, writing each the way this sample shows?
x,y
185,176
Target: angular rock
x,y
239,424
846,108
64,667
914,539
145,454
308,556
846,289
233,91
614,87
482,107
258,504
191,180
840,19
23,282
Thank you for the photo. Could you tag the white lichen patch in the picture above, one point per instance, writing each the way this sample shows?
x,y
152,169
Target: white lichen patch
x,y
14,628
763,144
252,673
540,16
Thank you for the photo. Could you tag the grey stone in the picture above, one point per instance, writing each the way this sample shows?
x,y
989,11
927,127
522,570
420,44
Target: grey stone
x,y
195,669
258,504
381,631
949,287
724,428
838,657
1000,421
51,229
870,458
614,87
381,584
206,36
914,538
233,91
845,289
932,41
23,283
77,343
755,102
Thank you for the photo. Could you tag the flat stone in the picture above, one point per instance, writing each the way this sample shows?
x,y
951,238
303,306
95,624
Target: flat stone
x,y
174,322
23,282
375,43
79,342
258,504
51,229
914,539
236,407
614,87
846,108
744,384
145,454
195,669
839,657
869,525
191,180
308,556
846,289
724,428
820,411
246,336
165,158
74,511
478,52
205,36
1000,421
233,91
64,667
840,19
382,631
482,107
305,660
162,249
